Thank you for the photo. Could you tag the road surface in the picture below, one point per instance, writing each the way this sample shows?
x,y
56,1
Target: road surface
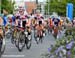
x,y
35,51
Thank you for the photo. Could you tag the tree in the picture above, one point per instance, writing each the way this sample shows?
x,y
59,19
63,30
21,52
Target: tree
x,y
7,5
59,6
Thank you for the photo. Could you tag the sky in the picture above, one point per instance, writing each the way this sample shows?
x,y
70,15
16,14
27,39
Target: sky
x,y
31,0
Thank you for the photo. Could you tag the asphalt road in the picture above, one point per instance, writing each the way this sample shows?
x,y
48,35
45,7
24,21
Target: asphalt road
x,y
34,52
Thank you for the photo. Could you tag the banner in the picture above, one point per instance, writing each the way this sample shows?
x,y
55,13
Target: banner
x,y
69,11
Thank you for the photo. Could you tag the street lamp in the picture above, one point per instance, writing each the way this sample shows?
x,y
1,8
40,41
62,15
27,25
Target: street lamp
x,y
48,7
36,1
37,5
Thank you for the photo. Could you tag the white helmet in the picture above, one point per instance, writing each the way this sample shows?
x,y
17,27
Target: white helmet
x,y
10,15
37,11
21,8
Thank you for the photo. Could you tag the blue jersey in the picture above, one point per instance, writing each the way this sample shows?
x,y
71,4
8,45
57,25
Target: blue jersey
x,y
5,20
13,20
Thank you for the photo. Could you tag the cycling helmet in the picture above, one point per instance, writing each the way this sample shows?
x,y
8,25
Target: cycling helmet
x,y
21,8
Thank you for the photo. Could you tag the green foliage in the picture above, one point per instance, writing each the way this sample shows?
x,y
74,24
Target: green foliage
x,y
70,31
63,41
73,51
7,5
59,6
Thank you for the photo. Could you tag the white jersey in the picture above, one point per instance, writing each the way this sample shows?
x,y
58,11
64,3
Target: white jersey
x,y
38,16
73,21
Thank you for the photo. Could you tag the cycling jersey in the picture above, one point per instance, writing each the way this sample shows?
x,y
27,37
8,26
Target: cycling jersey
x,y
5,20
22,20
50,22
1,32
13,20
61,22
56,21
38,17
73,22
1,21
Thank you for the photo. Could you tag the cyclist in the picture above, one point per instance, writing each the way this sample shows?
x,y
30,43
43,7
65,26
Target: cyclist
x,y
40,21
20,16
60,24
5,19
56,22
11,19
23,19
39,17
73,22
1,33
50,24
1,23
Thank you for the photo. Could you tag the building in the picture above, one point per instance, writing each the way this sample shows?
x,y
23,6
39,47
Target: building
x,y
30,6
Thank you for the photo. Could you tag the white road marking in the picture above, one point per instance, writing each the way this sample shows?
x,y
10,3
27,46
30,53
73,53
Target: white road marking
x,y
13,56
